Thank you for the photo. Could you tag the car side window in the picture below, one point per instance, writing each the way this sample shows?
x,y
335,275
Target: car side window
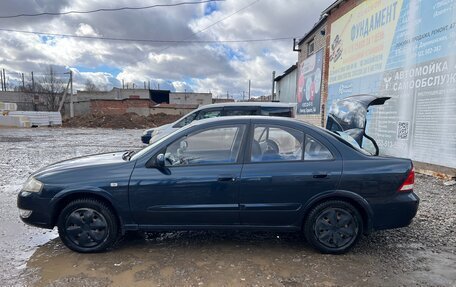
x,y
314,150
209,114
220,145
273,143
241,112
277,112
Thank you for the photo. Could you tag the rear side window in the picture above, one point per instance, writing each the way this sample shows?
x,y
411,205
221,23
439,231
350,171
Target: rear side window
x,y
241,112
272,143
286,112
314,150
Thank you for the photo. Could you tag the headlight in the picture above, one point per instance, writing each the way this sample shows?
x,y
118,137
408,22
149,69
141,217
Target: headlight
x,y
32,185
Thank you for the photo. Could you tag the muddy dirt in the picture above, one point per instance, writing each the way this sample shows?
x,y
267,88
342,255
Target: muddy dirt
x,y
422,254
123,121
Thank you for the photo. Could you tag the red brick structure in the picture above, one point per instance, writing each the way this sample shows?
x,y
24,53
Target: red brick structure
x,y
119,106
314,41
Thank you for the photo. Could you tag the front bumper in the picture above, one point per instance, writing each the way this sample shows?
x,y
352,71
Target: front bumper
x,y
396,212
41,215
146,138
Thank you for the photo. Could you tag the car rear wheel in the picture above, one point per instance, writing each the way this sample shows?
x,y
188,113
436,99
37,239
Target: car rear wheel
x,y
333,226
88,225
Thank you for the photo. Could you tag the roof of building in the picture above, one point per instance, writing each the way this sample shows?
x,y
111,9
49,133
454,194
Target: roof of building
x,y
314,28
288,71
335,4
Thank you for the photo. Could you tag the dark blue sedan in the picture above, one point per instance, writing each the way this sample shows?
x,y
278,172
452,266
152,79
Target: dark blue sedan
x,y
256,173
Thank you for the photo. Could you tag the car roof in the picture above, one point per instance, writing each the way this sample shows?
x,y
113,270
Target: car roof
x,y
246,119
249,104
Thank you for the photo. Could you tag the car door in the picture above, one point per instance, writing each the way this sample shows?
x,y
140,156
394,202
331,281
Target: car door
x,y
284,168
198,184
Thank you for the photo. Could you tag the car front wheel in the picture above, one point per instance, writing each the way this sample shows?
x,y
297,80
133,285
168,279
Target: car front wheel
x,y
87,225
333,226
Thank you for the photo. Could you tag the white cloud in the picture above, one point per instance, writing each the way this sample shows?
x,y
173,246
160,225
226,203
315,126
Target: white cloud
x,y
217,68
86,30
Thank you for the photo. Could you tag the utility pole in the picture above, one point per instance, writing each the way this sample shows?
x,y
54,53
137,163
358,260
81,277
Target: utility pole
x,y
243,95
4,80
33,83
148,84
249,89
1,80
71,95
23,82
273,86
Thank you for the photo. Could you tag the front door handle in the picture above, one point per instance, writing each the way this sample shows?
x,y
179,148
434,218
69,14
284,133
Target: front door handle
x,y
320,175
226,179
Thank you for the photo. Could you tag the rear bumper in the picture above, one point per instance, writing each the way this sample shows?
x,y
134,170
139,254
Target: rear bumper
x,y
397,212
40,208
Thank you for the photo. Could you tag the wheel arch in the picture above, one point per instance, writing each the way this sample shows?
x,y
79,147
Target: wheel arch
x,y
356,200
59,202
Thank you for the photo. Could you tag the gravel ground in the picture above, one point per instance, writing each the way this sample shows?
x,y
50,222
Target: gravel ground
x,y
422,254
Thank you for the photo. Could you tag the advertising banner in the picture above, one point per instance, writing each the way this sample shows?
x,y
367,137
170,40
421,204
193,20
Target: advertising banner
x,y
309,84
405,50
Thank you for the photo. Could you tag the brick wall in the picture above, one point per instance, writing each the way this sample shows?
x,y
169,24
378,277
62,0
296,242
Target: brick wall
x,y
334,14
190,98
138,106
119,107
320,42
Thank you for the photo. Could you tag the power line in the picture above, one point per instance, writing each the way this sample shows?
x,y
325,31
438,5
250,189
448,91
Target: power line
x,y
216,22
108,9
224,18
147,40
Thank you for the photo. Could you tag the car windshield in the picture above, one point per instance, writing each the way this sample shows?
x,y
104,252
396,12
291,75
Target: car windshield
x,y
186,120
348,140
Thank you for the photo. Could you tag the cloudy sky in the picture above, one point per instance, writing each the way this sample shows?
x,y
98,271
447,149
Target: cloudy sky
x,y
218,67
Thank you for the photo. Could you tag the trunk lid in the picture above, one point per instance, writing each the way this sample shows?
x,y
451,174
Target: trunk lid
x,y
349,115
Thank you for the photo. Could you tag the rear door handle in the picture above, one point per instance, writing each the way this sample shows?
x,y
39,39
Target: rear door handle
x,y
226,179
320,175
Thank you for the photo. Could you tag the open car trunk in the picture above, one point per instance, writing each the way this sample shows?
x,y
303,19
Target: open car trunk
x,y
349,115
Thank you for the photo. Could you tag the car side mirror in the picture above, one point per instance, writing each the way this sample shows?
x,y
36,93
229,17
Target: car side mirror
x,y
160,161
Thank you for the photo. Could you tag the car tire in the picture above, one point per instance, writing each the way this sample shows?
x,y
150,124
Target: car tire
x,y
87,226
333,226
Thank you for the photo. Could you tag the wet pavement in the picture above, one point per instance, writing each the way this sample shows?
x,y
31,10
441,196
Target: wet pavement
x,y
423,254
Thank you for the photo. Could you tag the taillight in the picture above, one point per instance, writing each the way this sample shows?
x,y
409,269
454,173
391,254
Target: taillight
x,y
407,185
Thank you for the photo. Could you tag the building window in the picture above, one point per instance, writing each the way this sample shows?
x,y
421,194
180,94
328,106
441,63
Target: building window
x,y
310,47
